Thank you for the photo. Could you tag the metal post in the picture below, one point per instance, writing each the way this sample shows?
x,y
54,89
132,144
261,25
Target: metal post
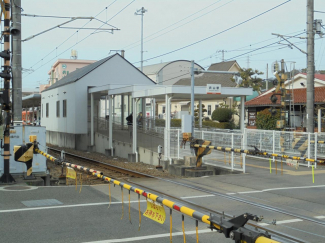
x,y
310,66
319,116
16,61
273,144
232,153
92,119
166,127
110,123
122,112
200,114
178,148
242,113
267,77
141,12
308,149
315,146
192,96
244,163
6,177
105,112
134,124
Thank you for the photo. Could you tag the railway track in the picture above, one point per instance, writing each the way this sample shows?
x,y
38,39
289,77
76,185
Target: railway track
x,y
229,197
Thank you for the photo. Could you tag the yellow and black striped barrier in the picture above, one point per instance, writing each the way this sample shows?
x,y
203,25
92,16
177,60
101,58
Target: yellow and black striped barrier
x,y
256,152
233,228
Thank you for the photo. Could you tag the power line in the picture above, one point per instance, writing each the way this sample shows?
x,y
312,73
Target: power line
x,y
234,26
179,25
55,49
83,38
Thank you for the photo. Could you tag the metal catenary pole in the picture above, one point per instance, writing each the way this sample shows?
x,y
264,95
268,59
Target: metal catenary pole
x,y
6,105
310,66
16,62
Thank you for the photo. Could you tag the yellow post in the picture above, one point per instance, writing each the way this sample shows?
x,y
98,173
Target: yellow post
x,y
312,168
270,166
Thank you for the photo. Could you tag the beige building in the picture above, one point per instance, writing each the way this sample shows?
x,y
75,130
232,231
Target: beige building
x,y
180,108
62,67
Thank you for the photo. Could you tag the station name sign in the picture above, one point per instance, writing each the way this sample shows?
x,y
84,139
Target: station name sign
x,y
213,88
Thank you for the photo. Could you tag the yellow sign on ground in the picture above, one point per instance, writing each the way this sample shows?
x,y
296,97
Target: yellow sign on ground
x,y
155,211
71,173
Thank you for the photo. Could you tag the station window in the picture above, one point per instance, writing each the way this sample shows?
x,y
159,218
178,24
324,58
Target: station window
x,y
47,109
64,108
58,108
216,107
164,109
209,110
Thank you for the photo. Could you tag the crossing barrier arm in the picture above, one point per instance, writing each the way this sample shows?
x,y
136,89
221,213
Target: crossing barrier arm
x,y
255,151
233,228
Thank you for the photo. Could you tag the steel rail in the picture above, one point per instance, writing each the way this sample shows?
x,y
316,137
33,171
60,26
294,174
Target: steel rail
x,y
112,167
234,198
221,213
210,220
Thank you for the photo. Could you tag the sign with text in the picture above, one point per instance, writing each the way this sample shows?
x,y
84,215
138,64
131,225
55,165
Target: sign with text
x,y
70,173
155,211
213,88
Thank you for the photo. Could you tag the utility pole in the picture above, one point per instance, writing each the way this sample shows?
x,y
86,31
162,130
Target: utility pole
x,y
267,76
223,54
310,66
16,61
141,12
6,103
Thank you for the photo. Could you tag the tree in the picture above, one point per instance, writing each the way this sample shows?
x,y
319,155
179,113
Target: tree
x,y
250,79
265,121
197,111
222,114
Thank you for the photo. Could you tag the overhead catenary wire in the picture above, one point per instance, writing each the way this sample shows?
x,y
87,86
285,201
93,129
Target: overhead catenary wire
x,y
55,49
179,25
221,32
81,39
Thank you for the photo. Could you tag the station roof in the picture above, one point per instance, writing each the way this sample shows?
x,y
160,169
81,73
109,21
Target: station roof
x,y
179,92
31,100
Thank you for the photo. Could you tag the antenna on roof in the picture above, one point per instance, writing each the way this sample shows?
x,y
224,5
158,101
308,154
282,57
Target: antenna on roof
x,y
74,54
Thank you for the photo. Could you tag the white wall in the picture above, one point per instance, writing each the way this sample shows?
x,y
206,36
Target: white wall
x,y
114,71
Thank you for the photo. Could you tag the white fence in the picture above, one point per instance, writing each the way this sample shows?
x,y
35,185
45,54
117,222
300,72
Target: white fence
x,y
302,144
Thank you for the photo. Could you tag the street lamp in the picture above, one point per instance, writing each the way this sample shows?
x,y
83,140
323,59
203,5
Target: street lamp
x,y
141,12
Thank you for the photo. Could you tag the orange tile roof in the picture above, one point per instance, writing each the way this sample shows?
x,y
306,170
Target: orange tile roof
x,y
318,76
299,96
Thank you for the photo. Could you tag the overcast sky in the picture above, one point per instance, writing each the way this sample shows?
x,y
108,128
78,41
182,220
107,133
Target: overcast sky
x,y
169,25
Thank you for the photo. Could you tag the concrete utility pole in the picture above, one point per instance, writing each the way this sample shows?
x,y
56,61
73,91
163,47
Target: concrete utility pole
x,y
141,12
16,62
267,76
310,66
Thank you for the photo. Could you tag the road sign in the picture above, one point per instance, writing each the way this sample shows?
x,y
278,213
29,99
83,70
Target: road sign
x,y
155,211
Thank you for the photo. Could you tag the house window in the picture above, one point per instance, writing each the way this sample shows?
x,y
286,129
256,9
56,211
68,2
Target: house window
x,y
164,109
64,108
47,109
209,110
216,107
58,108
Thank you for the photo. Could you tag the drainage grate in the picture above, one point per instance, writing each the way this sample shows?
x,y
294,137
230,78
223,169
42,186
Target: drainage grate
x,y
39,203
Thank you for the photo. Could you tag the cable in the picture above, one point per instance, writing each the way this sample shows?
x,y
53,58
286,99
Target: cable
x,y
83,38
178,26
55,49
234,26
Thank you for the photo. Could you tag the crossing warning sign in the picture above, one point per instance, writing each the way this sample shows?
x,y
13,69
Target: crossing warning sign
x,y
155,211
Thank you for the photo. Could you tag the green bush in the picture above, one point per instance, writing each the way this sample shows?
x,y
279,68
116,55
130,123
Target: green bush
x,y
221,125
222,115
175,122
265,121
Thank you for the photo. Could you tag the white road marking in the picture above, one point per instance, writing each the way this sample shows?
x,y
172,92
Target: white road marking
x,y
84,205
248,192
147,237
319,217
280,188
282,222
231,193
209,195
